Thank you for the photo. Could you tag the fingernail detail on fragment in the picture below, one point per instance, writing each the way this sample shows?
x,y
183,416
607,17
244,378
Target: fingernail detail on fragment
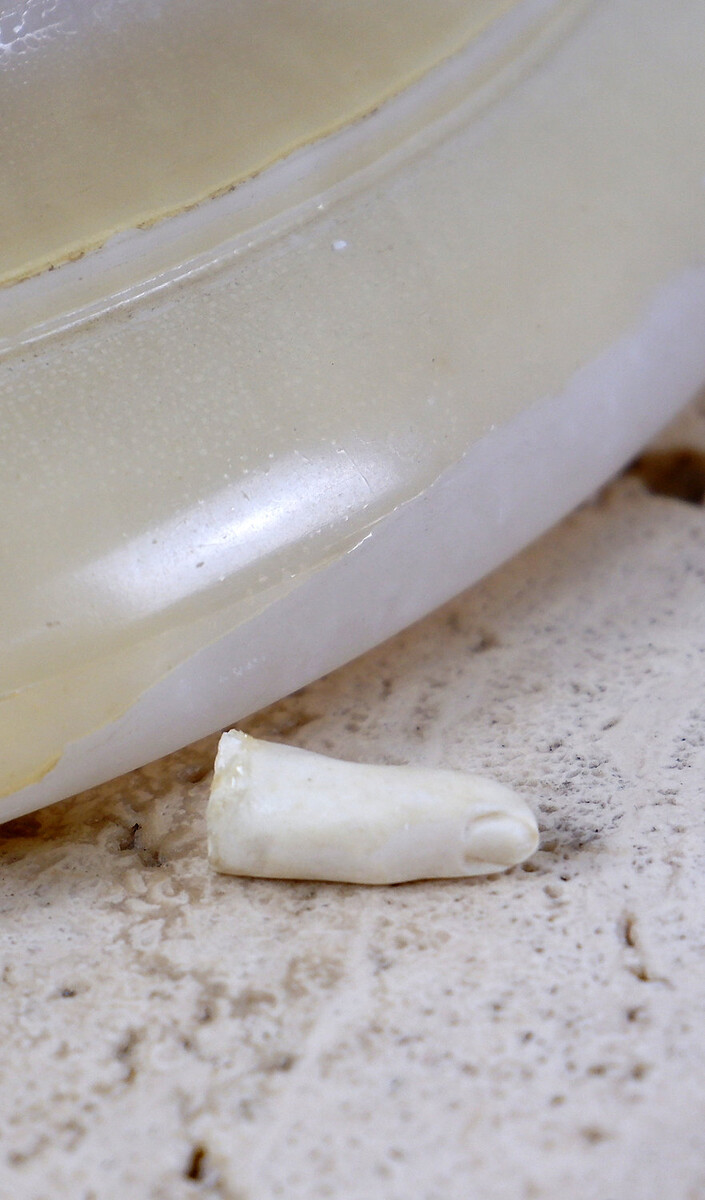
x,y
279,812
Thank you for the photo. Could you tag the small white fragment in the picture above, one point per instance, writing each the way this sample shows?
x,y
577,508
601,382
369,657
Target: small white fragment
x,y
283,813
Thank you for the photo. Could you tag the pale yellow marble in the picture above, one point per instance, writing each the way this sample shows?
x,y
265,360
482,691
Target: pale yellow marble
x,y
115,115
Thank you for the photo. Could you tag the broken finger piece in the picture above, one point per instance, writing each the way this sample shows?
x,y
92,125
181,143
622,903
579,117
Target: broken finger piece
x,y
279,812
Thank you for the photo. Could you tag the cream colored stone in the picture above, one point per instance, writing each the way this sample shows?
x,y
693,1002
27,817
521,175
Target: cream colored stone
x,y
280,812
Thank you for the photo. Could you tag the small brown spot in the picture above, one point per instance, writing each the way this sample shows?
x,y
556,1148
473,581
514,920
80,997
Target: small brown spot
x,y
281,1062
594,1135
149,858
193,773
678,473
132,839
640,1070
123,1053
127,842
641,971
195,1167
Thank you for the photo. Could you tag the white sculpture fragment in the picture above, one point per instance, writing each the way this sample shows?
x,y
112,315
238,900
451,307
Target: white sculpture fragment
x,y
280,812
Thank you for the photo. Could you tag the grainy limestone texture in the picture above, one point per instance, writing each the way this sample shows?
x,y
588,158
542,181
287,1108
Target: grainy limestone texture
x,y
169,1033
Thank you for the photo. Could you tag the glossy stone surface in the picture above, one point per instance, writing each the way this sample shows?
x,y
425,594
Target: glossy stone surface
x,y
119,112
201,428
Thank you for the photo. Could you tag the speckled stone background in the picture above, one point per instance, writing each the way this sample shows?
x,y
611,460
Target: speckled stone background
x,y
169,1034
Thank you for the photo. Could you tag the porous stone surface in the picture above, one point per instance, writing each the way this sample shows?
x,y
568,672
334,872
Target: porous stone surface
x,y
169,1033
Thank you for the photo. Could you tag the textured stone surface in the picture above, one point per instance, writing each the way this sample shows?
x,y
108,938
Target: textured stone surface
x,y
169,1033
